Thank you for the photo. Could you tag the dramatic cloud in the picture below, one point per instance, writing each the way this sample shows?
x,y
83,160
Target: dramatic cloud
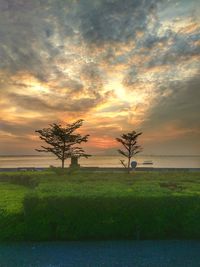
x,y
179,102
120,65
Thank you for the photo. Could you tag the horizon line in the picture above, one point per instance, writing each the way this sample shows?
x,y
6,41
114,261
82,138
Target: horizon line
x,y
157,155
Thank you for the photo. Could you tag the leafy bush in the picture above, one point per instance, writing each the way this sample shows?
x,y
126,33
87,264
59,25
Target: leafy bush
x,y
57,170
12,226
25,180
100,205
75,218
67,171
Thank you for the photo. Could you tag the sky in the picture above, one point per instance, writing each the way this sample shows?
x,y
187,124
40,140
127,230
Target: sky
x,y
119,65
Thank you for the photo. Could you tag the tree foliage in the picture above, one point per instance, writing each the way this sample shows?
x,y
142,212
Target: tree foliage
x,y
131,148
62,141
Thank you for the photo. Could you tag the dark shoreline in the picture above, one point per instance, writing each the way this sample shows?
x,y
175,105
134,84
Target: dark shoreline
x,y
103,169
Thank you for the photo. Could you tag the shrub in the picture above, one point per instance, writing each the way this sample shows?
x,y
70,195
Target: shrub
x,y
12,226
61,171
57,170
25,180
73,218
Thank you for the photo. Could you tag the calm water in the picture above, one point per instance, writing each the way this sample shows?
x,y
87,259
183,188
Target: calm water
x,y
101,161
102,254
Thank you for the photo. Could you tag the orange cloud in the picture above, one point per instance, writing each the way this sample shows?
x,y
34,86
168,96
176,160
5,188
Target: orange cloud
x,y
103,142
169,131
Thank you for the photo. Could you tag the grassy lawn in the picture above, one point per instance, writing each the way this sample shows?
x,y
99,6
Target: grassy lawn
x,y
53,206
11,197
98,184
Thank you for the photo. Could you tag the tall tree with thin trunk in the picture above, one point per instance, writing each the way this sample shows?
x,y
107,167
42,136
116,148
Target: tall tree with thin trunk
x,y
131,148
63,141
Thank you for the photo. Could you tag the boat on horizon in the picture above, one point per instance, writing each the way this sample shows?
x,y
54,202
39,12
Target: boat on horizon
x,y
148,162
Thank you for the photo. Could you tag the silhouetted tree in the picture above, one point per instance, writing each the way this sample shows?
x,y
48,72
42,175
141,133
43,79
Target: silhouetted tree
x,y
131,148
62,141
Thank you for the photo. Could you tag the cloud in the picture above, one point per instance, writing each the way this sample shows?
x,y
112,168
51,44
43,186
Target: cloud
x,y
132,61
21,128
34,103
35,33
114,21
178,102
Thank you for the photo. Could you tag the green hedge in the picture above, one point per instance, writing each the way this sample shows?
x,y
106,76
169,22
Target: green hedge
x,y
20,179
12,226
106,218
70,218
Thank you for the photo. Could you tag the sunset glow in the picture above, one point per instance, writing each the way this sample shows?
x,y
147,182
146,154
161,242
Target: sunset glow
x,y
119,65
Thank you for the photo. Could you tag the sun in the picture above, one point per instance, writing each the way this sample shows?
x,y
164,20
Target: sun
x,y
120,92
38,88
117,87
123,94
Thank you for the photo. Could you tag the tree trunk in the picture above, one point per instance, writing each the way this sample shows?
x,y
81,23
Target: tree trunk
x,y
129,160
63,163
63,157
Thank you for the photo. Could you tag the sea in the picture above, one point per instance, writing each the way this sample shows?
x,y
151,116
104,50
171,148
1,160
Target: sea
x,y
157,161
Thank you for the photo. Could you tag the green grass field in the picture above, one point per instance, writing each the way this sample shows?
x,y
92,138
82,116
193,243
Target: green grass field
x,y
54,206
